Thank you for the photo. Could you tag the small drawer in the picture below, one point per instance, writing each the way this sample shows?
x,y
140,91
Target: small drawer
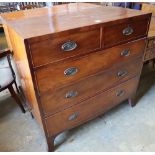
x,y
151,43
90,108
60,74
124,32
56,100
65,45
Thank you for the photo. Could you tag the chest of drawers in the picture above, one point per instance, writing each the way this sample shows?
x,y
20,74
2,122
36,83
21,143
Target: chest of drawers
x,y
76,61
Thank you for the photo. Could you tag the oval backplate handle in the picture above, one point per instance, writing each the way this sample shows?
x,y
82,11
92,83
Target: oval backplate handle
x,y
70,71
120,93
71,94
125,52
122,73
69,46
73,116
127,31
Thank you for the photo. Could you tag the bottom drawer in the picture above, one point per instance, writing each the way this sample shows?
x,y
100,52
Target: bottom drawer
x,y
90,108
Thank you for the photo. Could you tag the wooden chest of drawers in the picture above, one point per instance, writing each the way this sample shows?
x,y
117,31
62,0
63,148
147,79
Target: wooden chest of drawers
x,y
76,61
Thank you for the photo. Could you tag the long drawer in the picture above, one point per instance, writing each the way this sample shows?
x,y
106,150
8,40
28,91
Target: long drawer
x,y
55,100
60,74
89,109
65,45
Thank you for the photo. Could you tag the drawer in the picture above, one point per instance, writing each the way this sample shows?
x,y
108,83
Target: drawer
x,y
56,100
151,43
60,74
149,54
65,45
123,32
89,109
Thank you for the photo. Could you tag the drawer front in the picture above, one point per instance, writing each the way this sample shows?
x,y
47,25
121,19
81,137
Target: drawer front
x,y
54,101
116,34
149,54
65,46
89,109
151,43
61,74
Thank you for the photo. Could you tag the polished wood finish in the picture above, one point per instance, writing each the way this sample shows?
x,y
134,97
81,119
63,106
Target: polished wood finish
x,y
54,100
87,65
114,33
86,40
90,108
65,17
101,42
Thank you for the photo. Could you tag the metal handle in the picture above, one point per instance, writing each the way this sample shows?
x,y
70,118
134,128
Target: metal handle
x,y
127,31
122,73
73,116
120,93
69,46
71,94
70,71
125,52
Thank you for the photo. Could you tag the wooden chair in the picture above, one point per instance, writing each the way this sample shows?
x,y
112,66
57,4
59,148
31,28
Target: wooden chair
x,y
8,8
31,5
7,77
150,8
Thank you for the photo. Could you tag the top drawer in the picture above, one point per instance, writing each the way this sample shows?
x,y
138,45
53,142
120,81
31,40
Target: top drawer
x,y
126,31
65,45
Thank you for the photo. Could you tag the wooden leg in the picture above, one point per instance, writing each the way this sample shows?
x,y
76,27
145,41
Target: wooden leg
x,y
50,143
32,115
132,101
17,88
17,99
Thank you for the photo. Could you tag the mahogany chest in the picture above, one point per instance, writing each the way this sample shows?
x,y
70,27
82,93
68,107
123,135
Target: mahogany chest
x,y
76,61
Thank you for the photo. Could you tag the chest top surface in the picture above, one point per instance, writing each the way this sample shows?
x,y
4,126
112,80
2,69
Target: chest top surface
x,y
43,21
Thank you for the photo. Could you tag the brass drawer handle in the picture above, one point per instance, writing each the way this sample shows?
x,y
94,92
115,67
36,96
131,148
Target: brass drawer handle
x,y
125,53
71,94
69,46
122,73
73,116
120,93
70,71
127,31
